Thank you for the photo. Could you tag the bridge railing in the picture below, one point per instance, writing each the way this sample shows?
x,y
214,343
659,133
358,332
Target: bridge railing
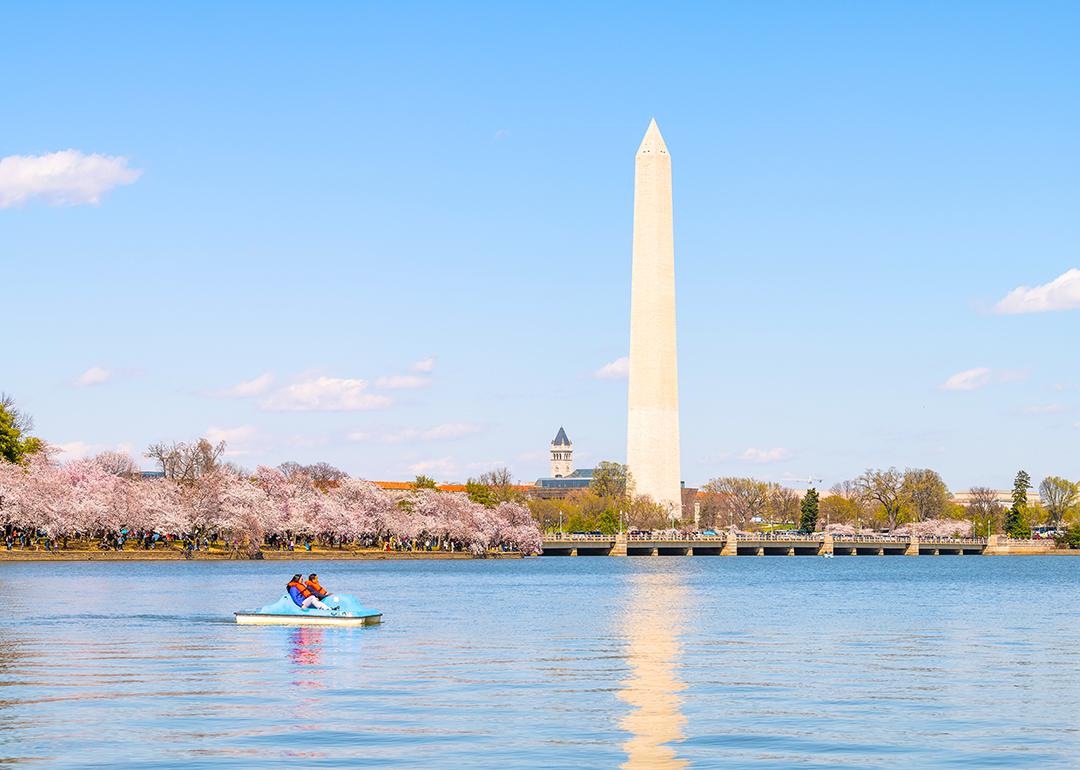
x,y
905,539
957,540
780,537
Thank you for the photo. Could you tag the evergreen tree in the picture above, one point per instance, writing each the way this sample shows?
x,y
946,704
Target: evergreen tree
x,y
1016,524
1020,490
809,510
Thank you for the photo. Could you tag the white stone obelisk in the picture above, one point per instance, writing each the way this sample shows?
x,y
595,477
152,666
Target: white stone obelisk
x,y
652,442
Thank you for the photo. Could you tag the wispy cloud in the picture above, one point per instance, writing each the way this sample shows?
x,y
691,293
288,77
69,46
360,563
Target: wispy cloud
x,y
969,379
66,178
1062,293
450,430
357,435
619,369
95,375
249,388
402,381
774,455
1045,409
980,377
424,365
324,394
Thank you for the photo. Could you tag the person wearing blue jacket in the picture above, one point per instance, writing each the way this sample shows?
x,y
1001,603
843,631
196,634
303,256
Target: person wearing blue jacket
x,y
302,596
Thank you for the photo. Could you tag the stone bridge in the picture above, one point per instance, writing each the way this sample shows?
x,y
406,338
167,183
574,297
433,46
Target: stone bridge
x,y
767,544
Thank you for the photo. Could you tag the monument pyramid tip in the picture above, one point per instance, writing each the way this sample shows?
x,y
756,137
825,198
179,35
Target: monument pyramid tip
x,y
653,140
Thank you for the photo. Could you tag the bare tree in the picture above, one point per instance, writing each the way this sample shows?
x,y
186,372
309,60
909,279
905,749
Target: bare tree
x,y
884,487
326,475
186,462
784,505
743,498
985,508
500,483
117,463
290,469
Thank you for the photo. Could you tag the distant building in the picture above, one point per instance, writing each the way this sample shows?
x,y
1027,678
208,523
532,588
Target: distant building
x,y
1002,497
564,479
562,455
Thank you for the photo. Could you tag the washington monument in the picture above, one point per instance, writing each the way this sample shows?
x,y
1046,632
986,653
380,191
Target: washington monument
x,y
652,440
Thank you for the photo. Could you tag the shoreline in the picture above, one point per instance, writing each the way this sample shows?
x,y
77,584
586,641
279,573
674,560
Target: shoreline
x,y
174,555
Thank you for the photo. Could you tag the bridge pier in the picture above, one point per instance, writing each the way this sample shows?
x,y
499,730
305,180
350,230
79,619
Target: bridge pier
x,y
619,549
791,551
760,551
826,545
912,547
731,545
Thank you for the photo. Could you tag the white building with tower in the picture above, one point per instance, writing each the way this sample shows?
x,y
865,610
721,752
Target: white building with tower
x,y
563,479
562,455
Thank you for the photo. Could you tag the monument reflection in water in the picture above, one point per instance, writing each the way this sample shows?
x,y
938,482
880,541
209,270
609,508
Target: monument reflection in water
x,y
652,688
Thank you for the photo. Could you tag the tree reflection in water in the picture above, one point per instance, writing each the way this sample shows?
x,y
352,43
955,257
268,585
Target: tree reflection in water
x,y
652,688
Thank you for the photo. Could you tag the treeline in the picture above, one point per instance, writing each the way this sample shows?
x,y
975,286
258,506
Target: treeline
x,y
201,499
915,499
101,500
606,506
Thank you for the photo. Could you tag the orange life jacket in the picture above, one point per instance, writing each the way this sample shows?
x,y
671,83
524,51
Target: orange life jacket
x,y
315,588
303,589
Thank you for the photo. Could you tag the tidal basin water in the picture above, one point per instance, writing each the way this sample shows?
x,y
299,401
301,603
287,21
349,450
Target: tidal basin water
x,y
857,662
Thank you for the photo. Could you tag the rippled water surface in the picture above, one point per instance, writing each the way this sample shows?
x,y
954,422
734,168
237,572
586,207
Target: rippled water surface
x,y
561,662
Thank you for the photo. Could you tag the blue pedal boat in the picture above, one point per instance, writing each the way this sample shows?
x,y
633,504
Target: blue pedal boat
x,y
284,612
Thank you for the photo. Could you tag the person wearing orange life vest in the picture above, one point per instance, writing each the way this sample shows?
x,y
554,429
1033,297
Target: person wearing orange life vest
x,y
313,585
302,597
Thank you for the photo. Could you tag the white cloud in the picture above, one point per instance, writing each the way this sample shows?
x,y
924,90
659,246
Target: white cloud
x,y
1062,293
324,394
451,430
424,365
95,375
400,381
74,450
255,387
442,467
214,434
357,435
774,455
619,369
236,439
1046,409
969,379
66,178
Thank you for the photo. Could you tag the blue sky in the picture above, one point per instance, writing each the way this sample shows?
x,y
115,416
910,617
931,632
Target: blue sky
x,y
435,200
